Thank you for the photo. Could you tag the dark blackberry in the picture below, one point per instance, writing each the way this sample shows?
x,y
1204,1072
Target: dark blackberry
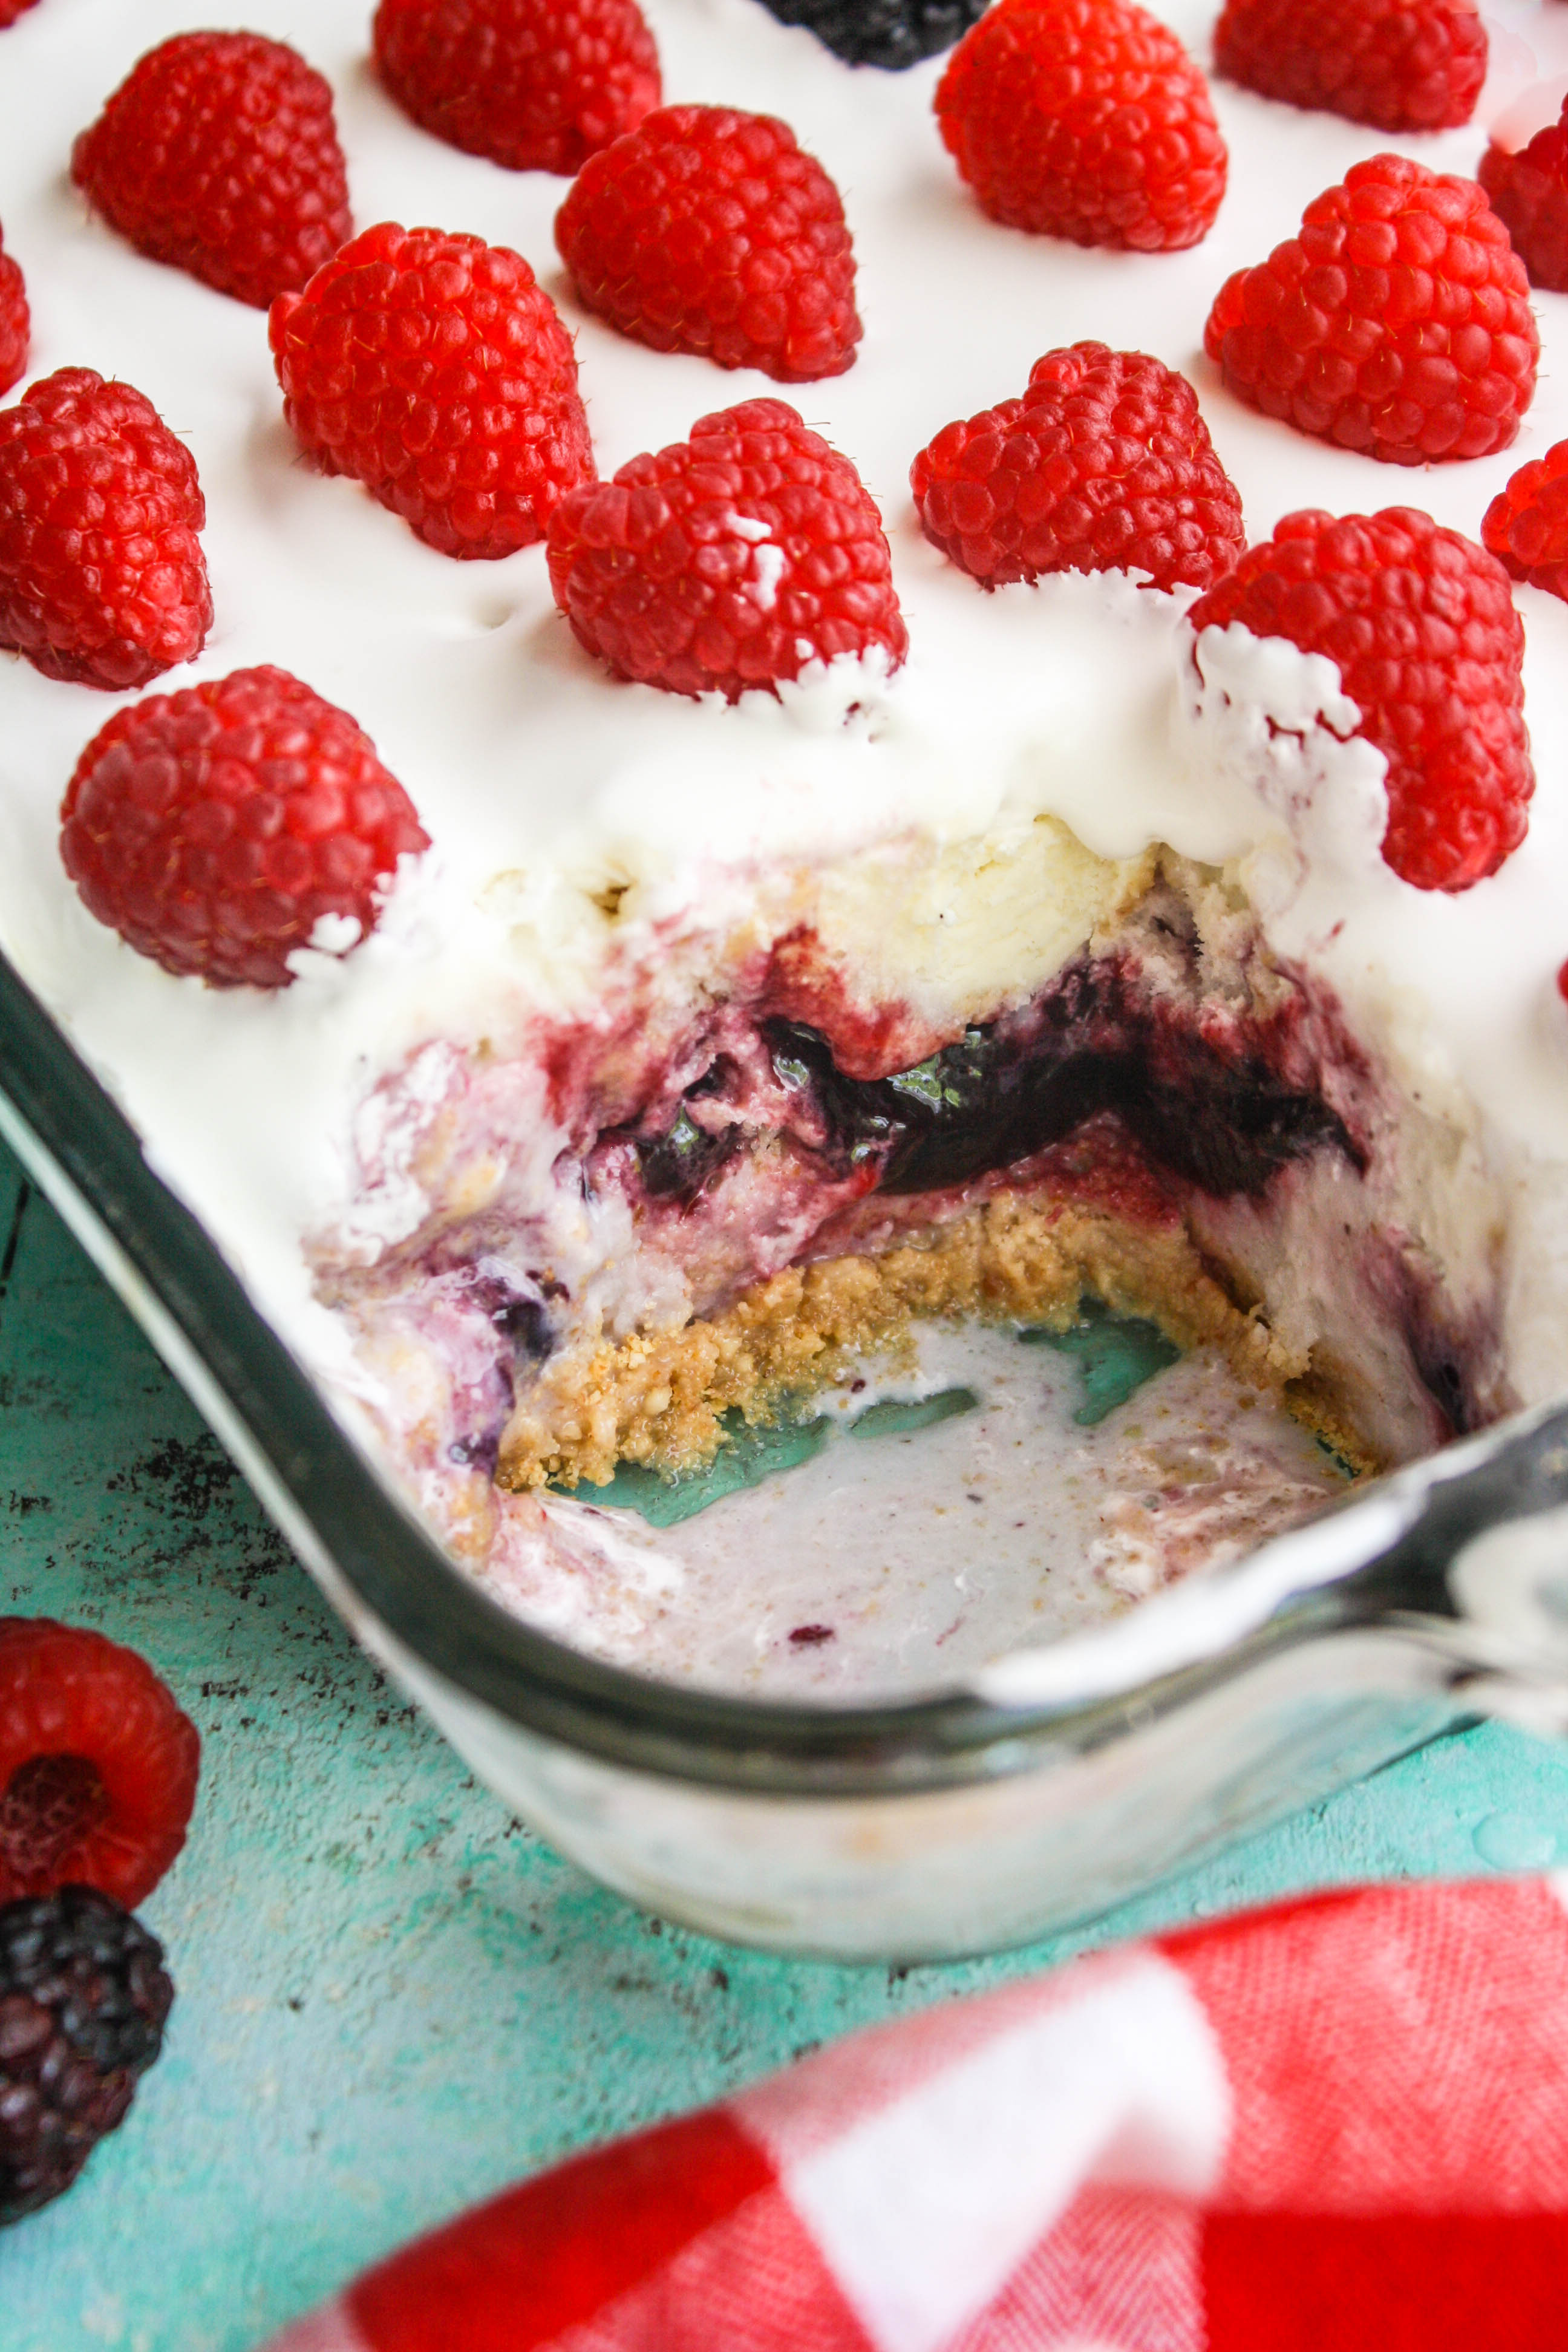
x,y
83,1997
890,32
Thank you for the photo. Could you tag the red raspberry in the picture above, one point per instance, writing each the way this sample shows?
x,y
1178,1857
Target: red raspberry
x,y
11,9
537,85
218,153
435,370
1529,194
1422,624
98,1765
1084,119
102,580
708,231
1526,525
1105,465
730,561
216,828
1400,65
1397,323
15,323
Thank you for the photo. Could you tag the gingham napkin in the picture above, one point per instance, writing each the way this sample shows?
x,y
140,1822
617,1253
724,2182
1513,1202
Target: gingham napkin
x,y
1339,2123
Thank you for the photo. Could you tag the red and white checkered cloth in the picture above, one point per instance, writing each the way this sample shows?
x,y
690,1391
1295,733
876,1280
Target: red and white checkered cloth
x,y
1339,2123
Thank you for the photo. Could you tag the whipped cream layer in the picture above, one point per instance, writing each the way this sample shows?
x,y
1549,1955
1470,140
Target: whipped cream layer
x,y
572,814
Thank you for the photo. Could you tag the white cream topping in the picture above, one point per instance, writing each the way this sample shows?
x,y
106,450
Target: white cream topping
x,y
544,783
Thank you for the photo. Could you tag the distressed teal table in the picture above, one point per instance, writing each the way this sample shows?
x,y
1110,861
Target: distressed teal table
x,y
392,1998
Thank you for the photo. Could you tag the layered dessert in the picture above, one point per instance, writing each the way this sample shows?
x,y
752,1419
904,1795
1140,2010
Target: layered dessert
x,y
745,1047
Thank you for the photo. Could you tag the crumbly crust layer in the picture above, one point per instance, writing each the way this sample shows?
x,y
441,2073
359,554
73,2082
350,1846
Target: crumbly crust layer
x,y
657,1397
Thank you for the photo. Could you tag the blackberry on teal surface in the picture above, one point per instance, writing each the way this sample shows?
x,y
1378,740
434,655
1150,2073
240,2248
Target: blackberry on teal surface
x,y
890,32
83,1999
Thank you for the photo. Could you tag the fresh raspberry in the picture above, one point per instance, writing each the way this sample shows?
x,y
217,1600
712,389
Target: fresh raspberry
x,y
537,85
892,34
1084,119
218,828
15,323
11,9
1422,624
1105,465
83,2001
1526,525
1529,194
1400,65
98,1765
1397,323
708,231
102,580
435,370
218,153
730,561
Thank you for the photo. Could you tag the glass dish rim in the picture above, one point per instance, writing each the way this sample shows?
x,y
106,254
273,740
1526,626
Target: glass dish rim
x,y
342,1513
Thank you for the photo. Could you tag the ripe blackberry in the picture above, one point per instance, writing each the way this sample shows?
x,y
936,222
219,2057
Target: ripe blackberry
x,y
83,1998
889,32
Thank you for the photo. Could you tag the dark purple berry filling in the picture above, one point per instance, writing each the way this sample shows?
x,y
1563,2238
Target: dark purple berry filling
x,y
1212,1111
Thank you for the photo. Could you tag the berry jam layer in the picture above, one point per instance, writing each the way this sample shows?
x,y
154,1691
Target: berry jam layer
x,y
741,1202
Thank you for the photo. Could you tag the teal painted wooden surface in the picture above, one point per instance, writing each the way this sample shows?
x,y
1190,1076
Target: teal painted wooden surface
x,y
392,1998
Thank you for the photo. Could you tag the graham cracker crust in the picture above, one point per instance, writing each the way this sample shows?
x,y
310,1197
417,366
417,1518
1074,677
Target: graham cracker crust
x,y
657,1397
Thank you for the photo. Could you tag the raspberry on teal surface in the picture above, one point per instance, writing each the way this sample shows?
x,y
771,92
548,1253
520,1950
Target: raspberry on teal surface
x,y
536,85
1084,120
221,830
712,231
1422,625
102,580
730,561
1399,65
1103,465
1395,322
98,1764
218,153
435,370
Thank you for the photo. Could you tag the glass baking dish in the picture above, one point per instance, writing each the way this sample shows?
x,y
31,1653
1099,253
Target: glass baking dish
x,y
1061,1782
